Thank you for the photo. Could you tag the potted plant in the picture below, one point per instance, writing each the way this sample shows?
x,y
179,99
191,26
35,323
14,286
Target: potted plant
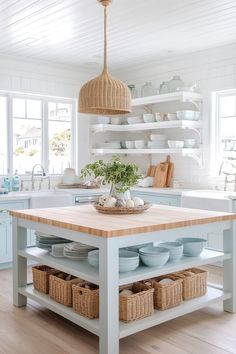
x,y
121,176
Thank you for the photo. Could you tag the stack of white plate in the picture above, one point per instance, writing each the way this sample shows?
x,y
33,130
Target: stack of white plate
x,y
57,250
46,241
158,141
110,145
77,251
128,260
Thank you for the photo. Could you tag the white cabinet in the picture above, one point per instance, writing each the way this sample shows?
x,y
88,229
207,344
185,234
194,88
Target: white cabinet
x,y
155,198
6,230
5,239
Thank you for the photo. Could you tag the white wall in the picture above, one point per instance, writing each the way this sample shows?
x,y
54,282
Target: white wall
x,y
213,70
45,78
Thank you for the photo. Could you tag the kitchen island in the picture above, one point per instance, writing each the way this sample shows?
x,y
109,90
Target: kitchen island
x,y
109,233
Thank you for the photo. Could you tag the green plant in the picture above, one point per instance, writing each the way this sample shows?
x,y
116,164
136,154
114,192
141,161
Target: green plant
x,y
120,175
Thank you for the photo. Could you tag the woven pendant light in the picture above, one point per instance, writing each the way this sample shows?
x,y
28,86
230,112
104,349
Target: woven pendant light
x,y
105,95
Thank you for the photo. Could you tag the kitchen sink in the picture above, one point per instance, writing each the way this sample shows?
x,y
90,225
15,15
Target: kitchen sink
x,y
49,199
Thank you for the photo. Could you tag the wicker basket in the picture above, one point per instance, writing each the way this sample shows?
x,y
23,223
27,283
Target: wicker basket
x,y
41,275
86,299
137,305
167,295
194,282
122,210
60,288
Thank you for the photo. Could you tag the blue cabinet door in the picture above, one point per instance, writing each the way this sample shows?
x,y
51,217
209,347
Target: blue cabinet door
x,y
5,240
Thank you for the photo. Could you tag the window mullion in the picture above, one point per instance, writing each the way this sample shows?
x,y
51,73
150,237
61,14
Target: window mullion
x,y
45,142
9,135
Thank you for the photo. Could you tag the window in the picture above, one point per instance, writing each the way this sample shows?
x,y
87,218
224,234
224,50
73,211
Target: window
x,y
3,136
36,130
223,128
59,132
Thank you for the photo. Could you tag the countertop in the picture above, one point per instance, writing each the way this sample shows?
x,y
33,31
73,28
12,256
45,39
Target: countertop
x,y
86,219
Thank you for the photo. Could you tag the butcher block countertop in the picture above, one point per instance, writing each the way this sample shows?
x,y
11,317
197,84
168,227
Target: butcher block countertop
x,y
87,220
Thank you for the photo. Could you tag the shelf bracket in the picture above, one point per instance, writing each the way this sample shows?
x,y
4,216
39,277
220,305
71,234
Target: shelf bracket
x,y
196,157
196,130
197,104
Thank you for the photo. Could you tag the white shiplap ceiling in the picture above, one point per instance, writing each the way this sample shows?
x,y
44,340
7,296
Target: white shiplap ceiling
x,y
70,31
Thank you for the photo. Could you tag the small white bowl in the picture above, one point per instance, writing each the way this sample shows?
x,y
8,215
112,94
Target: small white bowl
x,y
103,120
188,115
129,144
175,144
158,117
171,116
116,120
134,120
189,143
140,144
148,118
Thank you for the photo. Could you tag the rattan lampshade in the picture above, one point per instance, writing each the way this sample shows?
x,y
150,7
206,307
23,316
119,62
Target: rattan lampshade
x,y
105,95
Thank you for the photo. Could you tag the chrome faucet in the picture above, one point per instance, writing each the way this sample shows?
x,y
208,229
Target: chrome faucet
x,y
228,173
33,174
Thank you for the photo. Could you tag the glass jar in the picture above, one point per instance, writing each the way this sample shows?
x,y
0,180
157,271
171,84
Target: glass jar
x,y
175,83
164,87
133,91
147,90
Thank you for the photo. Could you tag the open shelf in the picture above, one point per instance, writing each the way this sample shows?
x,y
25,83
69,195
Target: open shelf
x,y
181,96
83,270
213,295
183,152
170,124
67,312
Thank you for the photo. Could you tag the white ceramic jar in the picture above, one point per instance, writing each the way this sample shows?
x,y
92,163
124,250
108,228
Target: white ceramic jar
x,y
69,176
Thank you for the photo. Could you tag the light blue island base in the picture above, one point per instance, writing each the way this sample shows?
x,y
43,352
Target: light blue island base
x,y
109,233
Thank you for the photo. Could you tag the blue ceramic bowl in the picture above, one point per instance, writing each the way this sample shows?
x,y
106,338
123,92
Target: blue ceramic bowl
x,y
193,246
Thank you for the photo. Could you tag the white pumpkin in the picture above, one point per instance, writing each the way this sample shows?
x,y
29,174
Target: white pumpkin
x,y
138,201
110,202
129,203
102,199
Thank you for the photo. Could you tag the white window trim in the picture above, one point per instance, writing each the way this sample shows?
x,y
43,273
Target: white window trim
x,y
216,156
45,150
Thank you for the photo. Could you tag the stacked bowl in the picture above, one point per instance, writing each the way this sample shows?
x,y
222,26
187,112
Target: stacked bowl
x,y
154,256
128,260
175,249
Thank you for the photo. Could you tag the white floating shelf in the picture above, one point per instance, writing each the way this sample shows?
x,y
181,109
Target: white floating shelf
x,y
181,96
183,152
182,124
83,270
213,295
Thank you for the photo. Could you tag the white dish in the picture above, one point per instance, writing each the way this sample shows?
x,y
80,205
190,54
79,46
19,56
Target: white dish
x,y
188,115
189,143
134,120
116,120
129,144
171,116
148,118
140,144
175,144
156,145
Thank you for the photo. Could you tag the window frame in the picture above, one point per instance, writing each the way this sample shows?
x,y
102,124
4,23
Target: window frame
x,y
45,147
215,153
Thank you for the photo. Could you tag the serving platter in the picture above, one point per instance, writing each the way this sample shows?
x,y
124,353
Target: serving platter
x,y
122,210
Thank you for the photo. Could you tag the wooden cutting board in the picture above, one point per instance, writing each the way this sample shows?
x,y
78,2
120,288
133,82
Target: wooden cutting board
x,y
170,172
160,175
151,171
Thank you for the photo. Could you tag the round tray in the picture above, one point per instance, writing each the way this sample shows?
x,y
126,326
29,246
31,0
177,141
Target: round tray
x,y
122,210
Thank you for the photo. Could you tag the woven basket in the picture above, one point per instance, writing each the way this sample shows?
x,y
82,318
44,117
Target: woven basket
x,y
41,275
122,210
167,295
86,301
194,282
137,305
60,288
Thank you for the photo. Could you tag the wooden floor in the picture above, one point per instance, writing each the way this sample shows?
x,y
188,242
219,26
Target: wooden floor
x,y
36,330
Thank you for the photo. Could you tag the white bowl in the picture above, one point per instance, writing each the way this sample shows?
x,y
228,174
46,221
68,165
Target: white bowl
x,y
148,118
175,144
103,120
158,117
175,249
140,144
171,116
156,144
154,256
116,120
189,143
129,144
158,137
134,120
188,115
193,246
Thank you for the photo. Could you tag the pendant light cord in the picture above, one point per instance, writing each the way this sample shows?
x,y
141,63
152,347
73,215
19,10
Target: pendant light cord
x,y
105,39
